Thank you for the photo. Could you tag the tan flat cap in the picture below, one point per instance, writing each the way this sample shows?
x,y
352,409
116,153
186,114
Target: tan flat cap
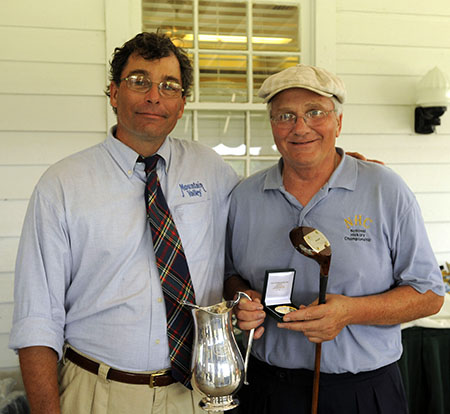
x,y
315,79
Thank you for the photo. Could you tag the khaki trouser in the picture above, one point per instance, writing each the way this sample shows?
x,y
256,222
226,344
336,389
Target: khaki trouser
x,y
82,392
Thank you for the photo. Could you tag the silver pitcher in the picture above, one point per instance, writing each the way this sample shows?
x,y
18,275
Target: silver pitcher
x,y
218,369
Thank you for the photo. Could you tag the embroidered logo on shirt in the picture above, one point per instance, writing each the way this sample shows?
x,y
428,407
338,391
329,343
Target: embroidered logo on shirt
x,y
358,228
192,189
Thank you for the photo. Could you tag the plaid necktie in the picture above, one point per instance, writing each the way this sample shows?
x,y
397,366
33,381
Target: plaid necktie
x,y
173,272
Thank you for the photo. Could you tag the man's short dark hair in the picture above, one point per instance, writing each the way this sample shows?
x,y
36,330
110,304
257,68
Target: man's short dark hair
x,y
150,46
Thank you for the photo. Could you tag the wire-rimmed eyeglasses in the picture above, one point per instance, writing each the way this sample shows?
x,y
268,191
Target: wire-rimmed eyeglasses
x,y
312,118
141,83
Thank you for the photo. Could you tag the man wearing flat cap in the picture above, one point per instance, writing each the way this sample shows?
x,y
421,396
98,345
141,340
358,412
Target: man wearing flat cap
x,y
383,271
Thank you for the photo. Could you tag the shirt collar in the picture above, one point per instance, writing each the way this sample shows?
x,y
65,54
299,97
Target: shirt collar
x,y
274,179
165,152
346,173
344,176
126,157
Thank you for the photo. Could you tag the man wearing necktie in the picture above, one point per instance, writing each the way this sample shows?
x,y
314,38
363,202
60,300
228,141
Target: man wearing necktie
x,y
114,237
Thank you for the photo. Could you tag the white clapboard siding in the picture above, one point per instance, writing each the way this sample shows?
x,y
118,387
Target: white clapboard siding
x,y
435,207
43,148
12,213
442,258
52,45
43,78
52,113
393,29
68,14
6,312
380,90
384,120
8,252
8,358
390,60
400,148
53,74
6,287
425,178
423,8
438,235
397,148
381,119
17,182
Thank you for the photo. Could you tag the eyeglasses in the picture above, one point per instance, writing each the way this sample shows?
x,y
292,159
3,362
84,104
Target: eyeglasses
x,y
141,83
312,118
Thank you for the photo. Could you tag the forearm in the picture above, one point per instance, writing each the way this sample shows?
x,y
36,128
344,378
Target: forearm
x,y
399,305
39,371
324,322
234,284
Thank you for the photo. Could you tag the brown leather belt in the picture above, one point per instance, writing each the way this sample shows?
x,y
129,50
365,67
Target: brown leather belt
x,y
152,380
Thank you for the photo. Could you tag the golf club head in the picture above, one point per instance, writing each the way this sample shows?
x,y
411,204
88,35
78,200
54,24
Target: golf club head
x,y
312,243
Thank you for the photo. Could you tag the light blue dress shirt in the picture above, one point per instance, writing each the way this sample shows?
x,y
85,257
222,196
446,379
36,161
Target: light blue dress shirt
x,y
378,241
86,271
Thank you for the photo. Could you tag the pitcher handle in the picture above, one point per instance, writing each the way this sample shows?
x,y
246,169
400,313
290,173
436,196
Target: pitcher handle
x,y
247,354
249,343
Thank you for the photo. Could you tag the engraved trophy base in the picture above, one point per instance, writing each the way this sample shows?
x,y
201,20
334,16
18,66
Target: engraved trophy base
x,y
224,403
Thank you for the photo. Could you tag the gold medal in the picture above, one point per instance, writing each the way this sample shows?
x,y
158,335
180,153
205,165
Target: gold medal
x,y
283,309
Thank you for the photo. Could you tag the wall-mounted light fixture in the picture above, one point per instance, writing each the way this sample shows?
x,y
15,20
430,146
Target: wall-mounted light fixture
x,y
433,95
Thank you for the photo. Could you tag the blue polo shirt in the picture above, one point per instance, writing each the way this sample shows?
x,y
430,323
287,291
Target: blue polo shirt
x,y
378,241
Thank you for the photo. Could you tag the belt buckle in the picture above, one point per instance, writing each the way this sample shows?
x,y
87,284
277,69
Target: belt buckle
x,y
154,376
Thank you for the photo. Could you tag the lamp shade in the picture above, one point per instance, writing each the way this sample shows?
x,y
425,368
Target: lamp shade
x,y
434,89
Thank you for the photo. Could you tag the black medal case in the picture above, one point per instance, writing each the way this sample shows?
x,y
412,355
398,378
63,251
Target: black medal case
x,y
277,293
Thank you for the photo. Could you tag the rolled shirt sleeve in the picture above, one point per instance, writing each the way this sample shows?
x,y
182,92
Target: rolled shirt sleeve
x,y
43,255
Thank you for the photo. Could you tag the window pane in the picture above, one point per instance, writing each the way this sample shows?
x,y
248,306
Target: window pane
x,y
238,166
275,27
261,133
222,131
222,25
183,129
264,66
223,78
256,165
174,18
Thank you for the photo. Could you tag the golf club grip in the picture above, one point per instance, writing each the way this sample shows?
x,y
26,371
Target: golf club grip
x,y
323,289
315,394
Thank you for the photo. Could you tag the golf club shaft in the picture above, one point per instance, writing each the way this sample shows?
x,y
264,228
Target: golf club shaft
x,y
315,394
323,288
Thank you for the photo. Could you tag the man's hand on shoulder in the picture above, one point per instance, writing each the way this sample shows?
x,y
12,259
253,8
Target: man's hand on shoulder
x,y
359,156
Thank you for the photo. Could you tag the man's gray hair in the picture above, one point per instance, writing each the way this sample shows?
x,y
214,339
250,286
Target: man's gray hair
x,y
337,106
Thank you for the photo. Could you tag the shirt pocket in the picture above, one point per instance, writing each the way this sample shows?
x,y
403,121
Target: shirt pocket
x,y
195,227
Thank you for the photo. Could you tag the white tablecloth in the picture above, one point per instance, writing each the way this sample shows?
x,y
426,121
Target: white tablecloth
x,y
440,320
